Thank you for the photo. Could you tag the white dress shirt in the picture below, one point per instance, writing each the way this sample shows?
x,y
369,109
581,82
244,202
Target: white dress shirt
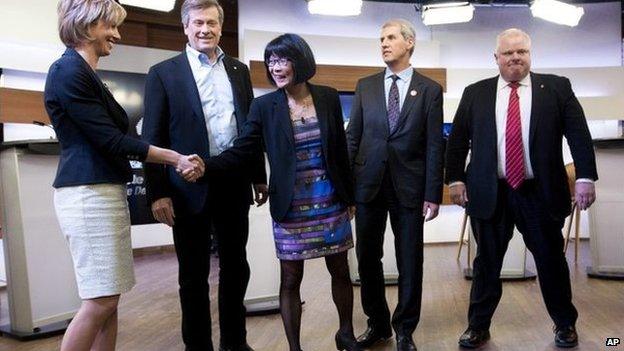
x,y
217,99
502,103
403,83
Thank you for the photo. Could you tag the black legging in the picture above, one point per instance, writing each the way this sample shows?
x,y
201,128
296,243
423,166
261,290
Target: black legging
x,y
290,296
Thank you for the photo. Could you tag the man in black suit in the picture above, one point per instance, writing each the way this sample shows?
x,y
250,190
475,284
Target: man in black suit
x,y
199,101
396,153
513,126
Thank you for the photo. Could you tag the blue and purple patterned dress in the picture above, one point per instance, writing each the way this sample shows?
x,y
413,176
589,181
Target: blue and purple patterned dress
x,y
317,223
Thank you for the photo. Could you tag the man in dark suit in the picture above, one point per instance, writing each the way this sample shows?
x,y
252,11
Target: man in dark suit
x,y
513,126
396,153
199,101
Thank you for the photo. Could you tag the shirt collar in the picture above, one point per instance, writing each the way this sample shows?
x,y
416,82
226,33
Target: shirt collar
x,y
200,59
502,83
404,75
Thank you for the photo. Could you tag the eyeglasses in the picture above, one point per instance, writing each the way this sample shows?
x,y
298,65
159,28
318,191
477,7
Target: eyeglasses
x,y
282,61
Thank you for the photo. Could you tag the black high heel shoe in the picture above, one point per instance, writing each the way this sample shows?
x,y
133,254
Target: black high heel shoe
x,y
346,343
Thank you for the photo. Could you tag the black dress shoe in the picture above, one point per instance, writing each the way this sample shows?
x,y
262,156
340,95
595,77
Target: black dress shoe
x,y
243,347
473,338
405,343
347,343
371,336
566,336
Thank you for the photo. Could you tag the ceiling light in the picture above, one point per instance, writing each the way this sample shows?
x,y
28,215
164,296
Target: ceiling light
x,y
335,7
557,12
444,13
158,5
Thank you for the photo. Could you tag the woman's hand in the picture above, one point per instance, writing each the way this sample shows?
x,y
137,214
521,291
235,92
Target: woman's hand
x,y
190,167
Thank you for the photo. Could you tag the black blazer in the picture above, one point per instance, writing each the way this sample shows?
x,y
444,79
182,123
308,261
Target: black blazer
x,y
413,152
269,122
90,125
174,119
555,112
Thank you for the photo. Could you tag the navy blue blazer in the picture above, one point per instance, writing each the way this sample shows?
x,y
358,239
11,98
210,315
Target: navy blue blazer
x,y
555,113
174,119
90,126
413,152
269,122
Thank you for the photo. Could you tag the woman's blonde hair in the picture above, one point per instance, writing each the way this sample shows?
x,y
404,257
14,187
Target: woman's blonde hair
x,y
76,16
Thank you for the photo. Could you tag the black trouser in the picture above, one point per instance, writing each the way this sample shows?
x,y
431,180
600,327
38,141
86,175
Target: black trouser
x,y
407,226
524,209
227,209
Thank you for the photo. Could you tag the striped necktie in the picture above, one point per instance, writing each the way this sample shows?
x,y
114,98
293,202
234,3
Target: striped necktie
x,y
514,151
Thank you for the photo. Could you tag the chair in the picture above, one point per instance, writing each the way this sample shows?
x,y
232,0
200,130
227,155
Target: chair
x,y
575,215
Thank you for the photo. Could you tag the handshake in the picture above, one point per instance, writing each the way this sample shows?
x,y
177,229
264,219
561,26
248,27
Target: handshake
x,y
190,167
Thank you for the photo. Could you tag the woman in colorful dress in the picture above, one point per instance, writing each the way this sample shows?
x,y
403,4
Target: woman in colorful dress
x,y
310,189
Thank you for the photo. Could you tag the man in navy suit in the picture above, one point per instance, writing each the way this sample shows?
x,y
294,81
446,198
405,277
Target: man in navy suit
x,y
396,153
513,125
199,101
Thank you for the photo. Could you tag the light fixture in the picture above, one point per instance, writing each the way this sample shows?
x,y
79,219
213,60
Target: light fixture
x,y
158,5
557,12
335,7
444,13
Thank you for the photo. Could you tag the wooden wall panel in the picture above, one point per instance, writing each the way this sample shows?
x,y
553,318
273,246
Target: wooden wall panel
x,y
22,106
154,29
343,78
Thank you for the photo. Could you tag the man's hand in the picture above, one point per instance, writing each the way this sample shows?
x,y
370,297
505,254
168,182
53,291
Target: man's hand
x,y
458,193
190,167
162,209
584,194
261,192
430,210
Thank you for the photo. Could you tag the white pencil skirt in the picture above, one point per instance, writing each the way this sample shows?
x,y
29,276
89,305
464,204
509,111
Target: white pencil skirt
x,y
96,224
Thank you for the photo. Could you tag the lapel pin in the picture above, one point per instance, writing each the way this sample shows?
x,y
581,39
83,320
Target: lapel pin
x,y
235,67
542,86
413,93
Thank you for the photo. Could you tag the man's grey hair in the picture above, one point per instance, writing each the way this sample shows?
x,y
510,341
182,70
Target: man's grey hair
x,y
407,30
511,32
190,5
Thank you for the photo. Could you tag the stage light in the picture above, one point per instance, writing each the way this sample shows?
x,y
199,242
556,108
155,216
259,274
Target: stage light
x,y
158,5
557,12
445,13
335,7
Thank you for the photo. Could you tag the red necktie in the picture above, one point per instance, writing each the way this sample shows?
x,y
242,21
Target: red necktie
x,y
514,152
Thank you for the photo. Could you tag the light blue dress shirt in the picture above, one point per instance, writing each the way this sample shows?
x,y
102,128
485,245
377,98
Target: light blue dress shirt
x,y
217,99
403,83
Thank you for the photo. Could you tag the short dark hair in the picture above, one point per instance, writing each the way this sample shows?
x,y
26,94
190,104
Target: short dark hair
x,y
297,51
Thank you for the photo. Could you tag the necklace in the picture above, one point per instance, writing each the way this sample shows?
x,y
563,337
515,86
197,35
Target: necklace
x,y
298,111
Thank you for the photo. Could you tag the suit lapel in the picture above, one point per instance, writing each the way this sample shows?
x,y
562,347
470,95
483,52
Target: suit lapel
x,y
536,103
282,115
185,74
123,122
322,115
381,103
409,101
489,105
234,76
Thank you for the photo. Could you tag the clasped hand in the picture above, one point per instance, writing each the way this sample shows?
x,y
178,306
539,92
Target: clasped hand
x,y
190,167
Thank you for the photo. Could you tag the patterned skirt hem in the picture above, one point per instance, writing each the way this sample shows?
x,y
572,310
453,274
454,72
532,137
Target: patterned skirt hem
x,y
298,257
